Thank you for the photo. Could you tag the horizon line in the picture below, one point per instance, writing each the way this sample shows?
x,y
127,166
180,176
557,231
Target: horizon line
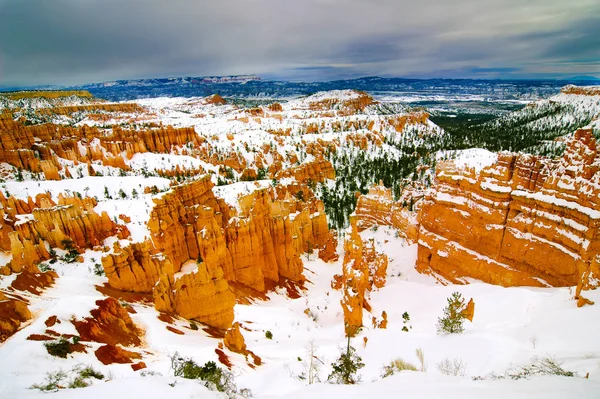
x,y
42,87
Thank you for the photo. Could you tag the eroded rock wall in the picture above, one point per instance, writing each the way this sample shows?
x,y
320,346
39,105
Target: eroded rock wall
x,y
523,221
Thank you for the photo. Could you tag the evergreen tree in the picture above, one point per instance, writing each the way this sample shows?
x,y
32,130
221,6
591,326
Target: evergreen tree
x,y
453,319
346,367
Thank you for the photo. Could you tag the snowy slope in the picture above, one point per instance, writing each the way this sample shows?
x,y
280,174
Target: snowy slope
x,y
510,327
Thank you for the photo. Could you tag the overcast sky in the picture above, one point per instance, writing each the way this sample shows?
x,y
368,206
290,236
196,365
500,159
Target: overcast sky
x,y
82,41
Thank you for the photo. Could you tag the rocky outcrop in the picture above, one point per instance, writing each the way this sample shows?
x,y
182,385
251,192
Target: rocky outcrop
x,y
350,101
31,279
37,147
110,324
72,224
362,269
581,90
13,312
523,221
378,264
377,208
202,295
329,251
234,340
316,172
469,311
261,244
176,219
590,280
134,268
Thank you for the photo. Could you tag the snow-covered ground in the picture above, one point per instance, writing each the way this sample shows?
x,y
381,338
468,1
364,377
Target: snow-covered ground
x,y
510,327
476,158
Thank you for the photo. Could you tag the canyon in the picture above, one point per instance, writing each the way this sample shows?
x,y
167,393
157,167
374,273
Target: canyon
x,y
189,220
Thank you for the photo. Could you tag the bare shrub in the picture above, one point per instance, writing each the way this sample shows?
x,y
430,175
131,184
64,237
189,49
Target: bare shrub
x,y
455,367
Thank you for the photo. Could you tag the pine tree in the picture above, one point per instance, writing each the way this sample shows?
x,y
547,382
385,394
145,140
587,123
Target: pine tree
x,y
346,367
453,319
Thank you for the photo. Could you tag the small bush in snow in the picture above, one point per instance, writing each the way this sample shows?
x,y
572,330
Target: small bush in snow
x,y
395,365
88,372
80,377
54,381
453,319
60,348
98,269
345,368
44,267
539,366
455,367
268,334
405,320
213,376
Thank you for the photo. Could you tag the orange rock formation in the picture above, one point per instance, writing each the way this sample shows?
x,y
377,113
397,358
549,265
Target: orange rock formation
x,y
263,243
13,312
362,269
523,221
377,208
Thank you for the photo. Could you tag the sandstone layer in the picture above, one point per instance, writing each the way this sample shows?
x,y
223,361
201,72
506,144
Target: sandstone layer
x,y
523,221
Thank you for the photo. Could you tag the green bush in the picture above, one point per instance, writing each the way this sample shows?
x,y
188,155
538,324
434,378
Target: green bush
x,y
78,382
60,348
58,380
72,254
98,269
53,382
89,372
269,335
213,376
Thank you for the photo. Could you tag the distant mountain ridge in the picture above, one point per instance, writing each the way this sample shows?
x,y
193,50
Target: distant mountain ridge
x,y
251,86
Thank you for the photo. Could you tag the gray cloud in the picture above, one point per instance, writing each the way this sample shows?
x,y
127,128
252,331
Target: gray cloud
x,y
78,41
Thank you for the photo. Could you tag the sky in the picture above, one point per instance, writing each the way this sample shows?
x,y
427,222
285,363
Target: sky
x,y
69,42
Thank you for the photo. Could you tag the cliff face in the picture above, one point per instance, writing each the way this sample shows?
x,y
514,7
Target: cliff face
x,y
37,147
523,221
134,268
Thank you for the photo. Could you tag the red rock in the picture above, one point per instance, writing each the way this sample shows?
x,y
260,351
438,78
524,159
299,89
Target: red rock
x,y
109,354
13,312
110,324
138,366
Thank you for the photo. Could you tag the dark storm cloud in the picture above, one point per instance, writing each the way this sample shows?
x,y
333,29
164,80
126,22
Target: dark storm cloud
x,y
77,41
